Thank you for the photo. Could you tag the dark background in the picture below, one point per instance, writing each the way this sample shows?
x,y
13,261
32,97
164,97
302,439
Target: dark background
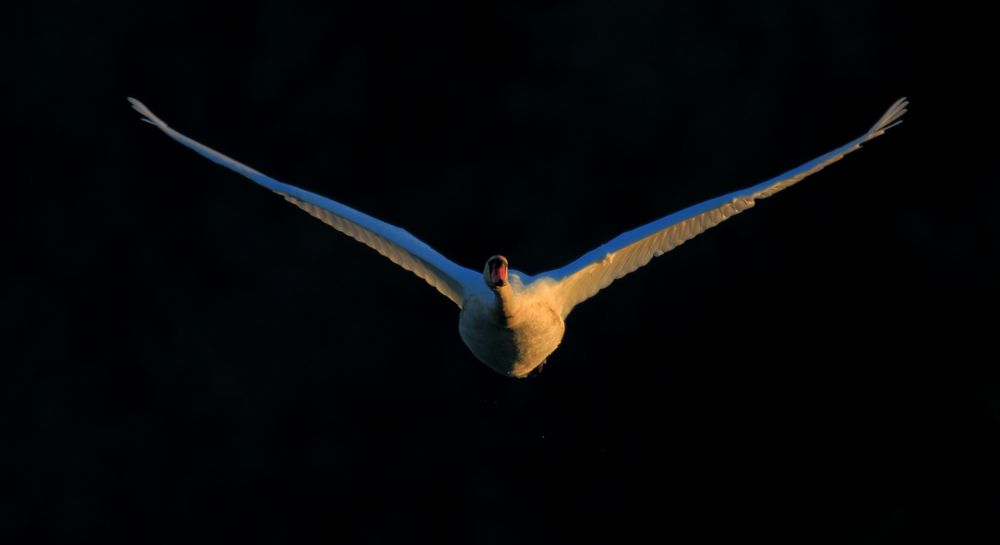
x,y
187,358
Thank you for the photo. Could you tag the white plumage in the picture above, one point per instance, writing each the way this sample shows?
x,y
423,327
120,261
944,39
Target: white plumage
x,y
513,321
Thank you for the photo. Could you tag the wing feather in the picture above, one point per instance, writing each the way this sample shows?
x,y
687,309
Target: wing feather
x,y
597,269
398,245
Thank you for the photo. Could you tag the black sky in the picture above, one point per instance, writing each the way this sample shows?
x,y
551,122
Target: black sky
x,y
187,358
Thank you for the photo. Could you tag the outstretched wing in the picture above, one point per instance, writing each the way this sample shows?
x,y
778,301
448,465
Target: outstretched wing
x,y
399,246
597,269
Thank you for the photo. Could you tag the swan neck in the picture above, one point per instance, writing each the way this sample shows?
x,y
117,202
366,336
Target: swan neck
x,y
504,300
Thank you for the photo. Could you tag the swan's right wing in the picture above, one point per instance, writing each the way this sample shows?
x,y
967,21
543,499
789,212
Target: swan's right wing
x,y
402,248
597,269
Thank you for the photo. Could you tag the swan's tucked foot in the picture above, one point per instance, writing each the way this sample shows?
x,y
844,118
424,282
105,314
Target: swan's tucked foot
x,y
537,370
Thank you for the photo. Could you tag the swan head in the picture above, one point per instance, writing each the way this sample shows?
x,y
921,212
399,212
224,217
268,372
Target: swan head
x,y
495,272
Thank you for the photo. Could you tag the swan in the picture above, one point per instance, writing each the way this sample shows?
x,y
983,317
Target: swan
x,y
512,321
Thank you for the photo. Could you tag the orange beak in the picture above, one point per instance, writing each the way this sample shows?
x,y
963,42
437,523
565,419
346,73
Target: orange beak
x,y
498,272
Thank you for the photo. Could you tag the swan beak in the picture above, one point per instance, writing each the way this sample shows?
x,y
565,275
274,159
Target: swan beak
x,y
498,272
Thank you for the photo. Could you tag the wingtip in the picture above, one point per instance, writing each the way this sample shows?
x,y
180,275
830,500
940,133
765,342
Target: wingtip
x,y
147,115
891,118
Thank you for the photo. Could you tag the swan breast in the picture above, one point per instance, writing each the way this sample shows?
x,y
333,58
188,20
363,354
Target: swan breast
x,y
514,341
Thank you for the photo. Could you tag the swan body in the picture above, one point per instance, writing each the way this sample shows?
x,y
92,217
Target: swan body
x,y
509,320
512,329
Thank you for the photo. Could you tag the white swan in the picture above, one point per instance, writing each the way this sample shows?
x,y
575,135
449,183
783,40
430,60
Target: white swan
x,y
510,320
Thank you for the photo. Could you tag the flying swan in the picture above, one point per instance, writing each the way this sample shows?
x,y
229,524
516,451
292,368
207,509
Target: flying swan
x,y
510,320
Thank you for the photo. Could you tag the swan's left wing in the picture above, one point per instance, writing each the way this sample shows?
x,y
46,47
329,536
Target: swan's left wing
x,y
402,248
597,269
